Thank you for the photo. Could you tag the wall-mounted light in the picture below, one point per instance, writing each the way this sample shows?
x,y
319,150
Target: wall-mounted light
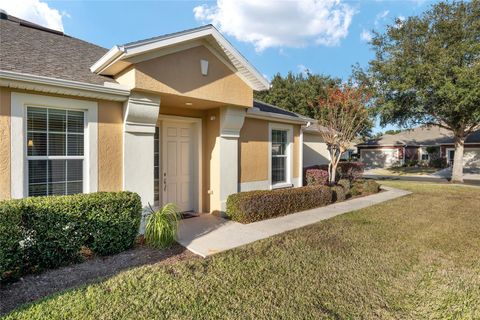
x,y
212,118
188,103
204,67
30,143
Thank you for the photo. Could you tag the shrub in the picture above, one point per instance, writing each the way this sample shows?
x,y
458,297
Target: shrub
x,y
338,193
316,177
365,187
345,183
162,226
437,162
350,170
345,170
251,206
48,232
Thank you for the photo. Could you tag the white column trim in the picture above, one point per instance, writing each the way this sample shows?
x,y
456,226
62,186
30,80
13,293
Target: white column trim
x,y
300,160
19,165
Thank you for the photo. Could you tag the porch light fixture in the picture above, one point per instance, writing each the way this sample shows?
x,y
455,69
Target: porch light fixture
x,y
204,67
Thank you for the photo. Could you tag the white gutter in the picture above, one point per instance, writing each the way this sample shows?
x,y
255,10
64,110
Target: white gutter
x,y
47,84
107,59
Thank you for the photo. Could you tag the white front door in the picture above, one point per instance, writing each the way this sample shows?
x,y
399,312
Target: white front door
x,y
177,163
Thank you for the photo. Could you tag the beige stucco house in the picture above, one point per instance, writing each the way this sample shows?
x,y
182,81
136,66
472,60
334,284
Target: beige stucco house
x,y
171,118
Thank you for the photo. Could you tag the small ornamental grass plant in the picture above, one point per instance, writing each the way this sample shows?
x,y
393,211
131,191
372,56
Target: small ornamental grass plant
x,y
162,226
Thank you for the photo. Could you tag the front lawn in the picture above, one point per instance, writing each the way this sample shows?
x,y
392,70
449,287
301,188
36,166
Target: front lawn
x,y
415,257
403,171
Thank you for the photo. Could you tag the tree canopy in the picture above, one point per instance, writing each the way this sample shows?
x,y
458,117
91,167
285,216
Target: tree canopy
x,y
427,71
427,68
295,92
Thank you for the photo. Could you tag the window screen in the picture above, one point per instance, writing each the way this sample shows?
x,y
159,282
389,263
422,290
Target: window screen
x,y
279,156
55,151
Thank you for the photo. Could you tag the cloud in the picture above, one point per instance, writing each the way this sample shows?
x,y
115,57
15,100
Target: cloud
x,y
35,11
381,16
270,23
366,36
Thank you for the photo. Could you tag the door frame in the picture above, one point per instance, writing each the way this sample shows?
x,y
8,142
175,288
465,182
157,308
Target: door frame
x,y
447,151
197,151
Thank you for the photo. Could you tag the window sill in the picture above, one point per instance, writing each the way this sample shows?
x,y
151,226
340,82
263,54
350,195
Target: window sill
x,y
281,185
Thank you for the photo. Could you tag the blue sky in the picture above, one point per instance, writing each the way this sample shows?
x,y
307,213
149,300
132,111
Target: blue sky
x,y
326,37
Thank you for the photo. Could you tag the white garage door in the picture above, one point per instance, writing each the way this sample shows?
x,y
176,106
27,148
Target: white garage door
x,y
471,158
378,158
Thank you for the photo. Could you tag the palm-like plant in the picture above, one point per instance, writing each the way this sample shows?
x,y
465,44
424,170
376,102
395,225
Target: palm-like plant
x,y
162,226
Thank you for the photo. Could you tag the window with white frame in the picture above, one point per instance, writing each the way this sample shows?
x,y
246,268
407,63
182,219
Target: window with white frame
x,y
55,151
425,156
280,154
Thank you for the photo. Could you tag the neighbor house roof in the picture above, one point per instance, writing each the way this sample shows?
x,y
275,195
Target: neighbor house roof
x,y
420,136
119,57
263,109
28,48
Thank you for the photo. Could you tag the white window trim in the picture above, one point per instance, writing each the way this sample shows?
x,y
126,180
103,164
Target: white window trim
x,y
289,129
19,168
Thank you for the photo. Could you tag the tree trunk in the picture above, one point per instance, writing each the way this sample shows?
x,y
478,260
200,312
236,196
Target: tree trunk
x,y
457,168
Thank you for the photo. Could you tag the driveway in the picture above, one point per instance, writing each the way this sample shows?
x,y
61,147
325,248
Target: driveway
x,y
470,176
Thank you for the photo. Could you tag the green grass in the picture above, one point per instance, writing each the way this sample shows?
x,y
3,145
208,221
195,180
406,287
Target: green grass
x,y
415,257
404,171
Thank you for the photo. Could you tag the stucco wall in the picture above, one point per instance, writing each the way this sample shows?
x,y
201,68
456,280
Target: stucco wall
x,y
253,151
314,150
5,101
179,73
110,150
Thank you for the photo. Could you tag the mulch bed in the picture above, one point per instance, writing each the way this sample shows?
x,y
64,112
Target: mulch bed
x,y
36,286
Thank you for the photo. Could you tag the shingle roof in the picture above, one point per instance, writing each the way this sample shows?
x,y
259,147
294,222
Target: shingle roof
x,y
32,49
168,35
265,107
420,136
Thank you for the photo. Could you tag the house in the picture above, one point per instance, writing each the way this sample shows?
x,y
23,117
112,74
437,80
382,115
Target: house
x,y
411,145
171,118
315,150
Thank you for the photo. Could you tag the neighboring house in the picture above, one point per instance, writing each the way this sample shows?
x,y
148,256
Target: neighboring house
x,y
397,149
171,118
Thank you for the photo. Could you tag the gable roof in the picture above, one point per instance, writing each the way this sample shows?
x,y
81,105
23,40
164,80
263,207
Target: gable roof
x,y
117,58
32,49
420,136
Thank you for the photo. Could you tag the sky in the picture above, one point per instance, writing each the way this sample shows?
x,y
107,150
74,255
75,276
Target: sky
x,y
276,36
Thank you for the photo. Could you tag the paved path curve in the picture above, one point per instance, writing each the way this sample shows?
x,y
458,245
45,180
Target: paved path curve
x,y
207,234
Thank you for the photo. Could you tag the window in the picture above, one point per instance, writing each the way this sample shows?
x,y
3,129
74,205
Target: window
x,y
425,156
55,151
156,167
279,156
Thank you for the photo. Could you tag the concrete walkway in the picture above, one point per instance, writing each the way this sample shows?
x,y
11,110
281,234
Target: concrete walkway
x,y
208,234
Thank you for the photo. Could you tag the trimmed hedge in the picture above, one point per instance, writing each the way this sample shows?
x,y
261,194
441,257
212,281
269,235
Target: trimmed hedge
x,y
47,232
251,206
339,193
345,170
364,187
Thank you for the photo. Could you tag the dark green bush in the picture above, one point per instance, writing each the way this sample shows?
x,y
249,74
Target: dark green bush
x,y
48,232
251,206
11,235
339,193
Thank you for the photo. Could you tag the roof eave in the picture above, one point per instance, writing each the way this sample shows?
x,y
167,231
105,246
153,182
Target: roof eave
x,y
253,78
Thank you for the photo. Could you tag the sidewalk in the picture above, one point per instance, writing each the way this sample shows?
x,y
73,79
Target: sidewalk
x,y
208,234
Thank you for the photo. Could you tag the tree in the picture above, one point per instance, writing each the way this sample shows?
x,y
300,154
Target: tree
x,y
342,116
294,91
427,71
393,131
